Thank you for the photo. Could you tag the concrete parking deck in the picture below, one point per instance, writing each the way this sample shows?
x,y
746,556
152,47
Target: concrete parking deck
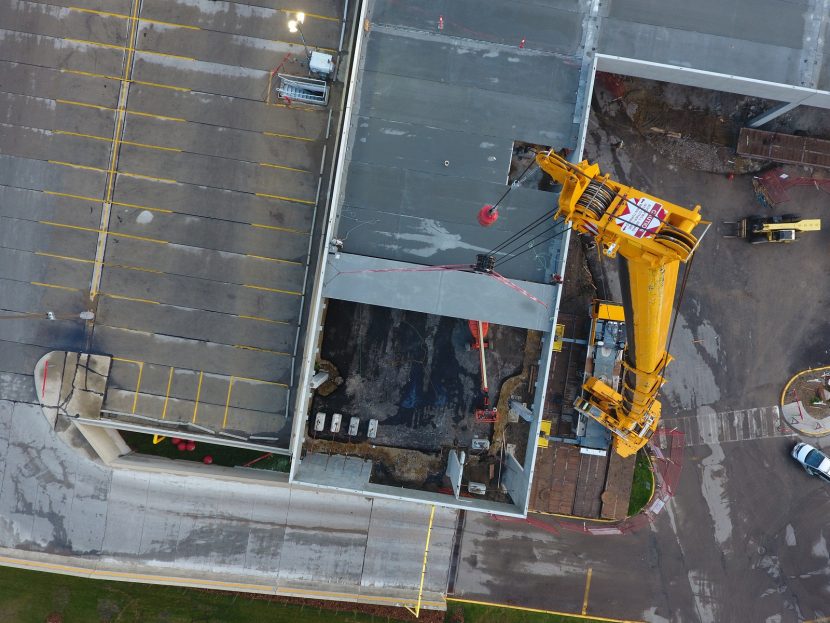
x,y
148,175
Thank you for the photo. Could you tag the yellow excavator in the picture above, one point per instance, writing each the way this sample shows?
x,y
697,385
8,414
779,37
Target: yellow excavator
x,y
652,236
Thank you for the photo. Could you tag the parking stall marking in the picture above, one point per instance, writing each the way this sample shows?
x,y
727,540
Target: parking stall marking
x,y
174,198
108,139
198,395
167,180
72,165
262,350
52,285
160,272
119,110
100,231
175,149
167,393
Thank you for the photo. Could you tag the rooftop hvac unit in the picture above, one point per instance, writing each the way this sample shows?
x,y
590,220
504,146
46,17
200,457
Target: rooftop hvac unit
x,y
477,488
335,422
480,444
321,64
299,89
320,421
354,424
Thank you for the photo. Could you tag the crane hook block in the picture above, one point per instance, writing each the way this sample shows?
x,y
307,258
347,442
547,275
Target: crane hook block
x,y
485,263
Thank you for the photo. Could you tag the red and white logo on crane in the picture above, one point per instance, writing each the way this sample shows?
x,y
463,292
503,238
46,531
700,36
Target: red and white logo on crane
x,y
591,228
641,217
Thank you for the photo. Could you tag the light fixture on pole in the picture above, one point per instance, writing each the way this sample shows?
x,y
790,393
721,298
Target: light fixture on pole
x,y
294,26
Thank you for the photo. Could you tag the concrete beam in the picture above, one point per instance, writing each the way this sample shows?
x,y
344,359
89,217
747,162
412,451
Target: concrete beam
x,y
766,117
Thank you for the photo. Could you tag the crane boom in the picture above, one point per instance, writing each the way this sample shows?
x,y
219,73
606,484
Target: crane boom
x,y
652,237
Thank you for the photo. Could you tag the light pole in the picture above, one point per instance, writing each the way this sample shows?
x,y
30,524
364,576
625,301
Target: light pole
x,y
294,26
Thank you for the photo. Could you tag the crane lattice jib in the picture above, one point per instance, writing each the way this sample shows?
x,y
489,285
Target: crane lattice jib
x,y
652,237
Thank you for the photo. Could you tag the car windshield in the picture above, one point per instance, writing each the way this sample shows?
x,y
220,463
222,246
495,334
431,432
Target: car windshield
x,y
814,458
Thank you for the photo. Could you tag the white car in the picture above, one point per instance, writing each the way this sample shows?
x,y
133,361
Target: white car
x,y
813,460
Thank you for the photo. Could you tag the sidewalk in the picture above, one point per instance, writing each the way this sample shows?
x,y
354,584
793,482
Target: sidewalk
x,y
805,402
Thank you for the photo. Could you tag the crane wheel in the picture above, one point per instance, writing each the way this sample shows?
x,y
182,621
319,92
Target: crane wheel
x,y
678,240
596,199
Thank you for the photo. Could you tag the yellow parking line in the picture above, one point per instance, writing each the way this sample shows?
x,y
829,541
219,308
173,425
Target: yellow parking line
x,y
172,24
89,74
227,404
135,361
491,604
92,74
291,136
52,285
81,135
140,207
85,167
153,178
198,393
98,231
138,384
260,319
83,104
148,146
113,46
99,44
154,116
277,290
77,166
108,139
261,350
115,203
130,298
124,16
96,12
252,380
167,393
417,610
284,198
81,197
116,110
314,15
273,259
587,589
290,230
64,257
166,55
283,167
111,265
161,86
128,267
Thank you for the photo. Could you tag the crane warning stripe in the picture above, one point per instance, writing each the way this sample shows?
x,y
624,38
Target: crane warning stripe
x,y
641,218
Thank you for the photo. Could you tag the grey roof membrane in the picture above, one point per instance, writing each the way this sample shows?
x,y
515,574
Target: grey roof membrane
x,y
430,98
451,83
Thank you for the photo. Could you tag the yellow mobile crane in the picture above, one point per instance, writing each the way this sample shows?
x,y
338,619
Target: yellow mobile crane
x,y
652,236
